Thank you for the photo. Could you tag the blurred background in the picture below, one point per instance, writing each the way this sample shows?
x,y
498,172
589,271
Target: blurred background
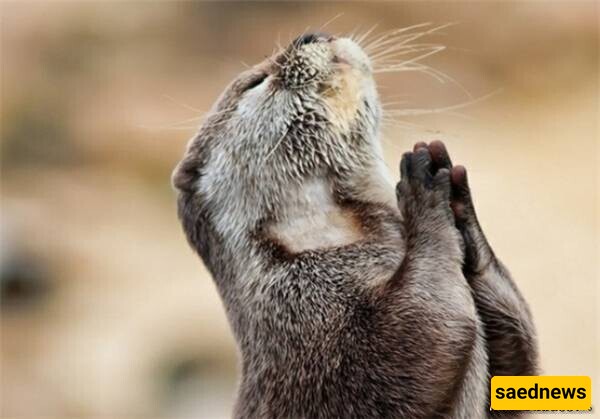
x,y
106,312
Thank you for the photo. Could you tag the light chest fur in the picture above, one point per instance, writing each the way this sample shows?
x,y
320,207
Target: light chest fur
x,y
314,221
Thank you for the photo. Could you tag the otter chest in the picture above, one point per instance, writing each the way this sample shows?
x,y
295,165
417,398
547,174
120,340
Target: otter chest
x,y
313,220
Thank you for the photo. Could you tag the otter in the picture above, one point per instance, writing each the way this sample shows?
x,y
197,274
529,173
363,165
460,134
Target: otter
x,y
347,298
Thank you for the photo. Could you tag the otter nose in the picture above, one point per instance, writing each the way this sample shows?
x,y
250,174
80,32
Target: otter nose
x,y
311,38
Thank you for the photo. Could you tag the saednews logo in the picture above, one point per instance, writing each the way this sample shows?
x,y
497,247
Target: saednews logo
x,y
541,393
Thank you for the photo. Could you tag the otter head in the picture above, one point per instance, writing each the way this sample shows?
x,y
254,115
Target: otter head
x,y
309,111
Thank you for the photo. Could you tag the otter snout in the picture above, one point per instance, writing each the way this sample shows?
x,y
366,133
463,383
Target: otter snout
x,y
346,51
316,58
305,62
335,71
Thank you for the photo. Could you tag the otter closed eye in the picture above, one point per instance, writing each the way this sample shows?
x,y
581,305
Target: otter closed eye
x,y
256,81
347,298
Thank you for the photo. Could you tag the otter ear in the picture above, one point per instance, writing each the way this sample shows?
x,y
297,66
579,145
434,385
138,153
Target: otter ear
x,y
186,174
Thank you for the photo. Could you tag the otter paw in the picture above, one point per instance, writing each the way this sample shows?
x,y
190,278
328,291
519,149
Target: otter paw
x,y
439,155
477,251
460,197
424,184
462,204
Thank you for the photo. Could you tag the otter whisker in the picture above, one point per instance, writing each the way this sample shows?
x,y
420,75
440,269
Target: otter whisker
x,y
389,34
387,143
172,124
422,68
403,46
397,50
414,46
437,74
214,124
445,109
183,105
428,52
274,62
178,124
398,102
362,38
414,65
222,111
405,38
276,146
387,121
352,35
402,42
324,25
396,41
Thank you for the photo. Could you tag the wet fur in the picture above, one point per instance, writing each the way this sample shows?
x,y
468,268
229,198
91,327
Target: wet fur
x,y
391,321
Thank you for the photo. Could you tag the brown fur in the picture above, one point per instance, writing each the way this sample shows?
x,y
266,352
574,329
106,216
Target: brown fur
x,y
397,322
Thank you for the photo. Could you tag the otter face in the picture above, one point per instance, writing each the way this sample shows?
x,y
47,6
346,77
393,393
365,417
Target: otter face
x,y
309,111
317,83
303,104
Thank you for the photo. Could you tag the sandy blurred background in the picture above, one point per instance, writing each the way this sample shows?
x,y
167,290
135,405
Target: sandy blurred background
x,y
106,312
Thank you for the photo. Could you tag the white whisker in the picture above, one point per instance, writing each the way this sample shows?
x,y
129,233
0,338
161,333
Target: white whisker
x,y
183,105
362,38
331,20
445,109
387,35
